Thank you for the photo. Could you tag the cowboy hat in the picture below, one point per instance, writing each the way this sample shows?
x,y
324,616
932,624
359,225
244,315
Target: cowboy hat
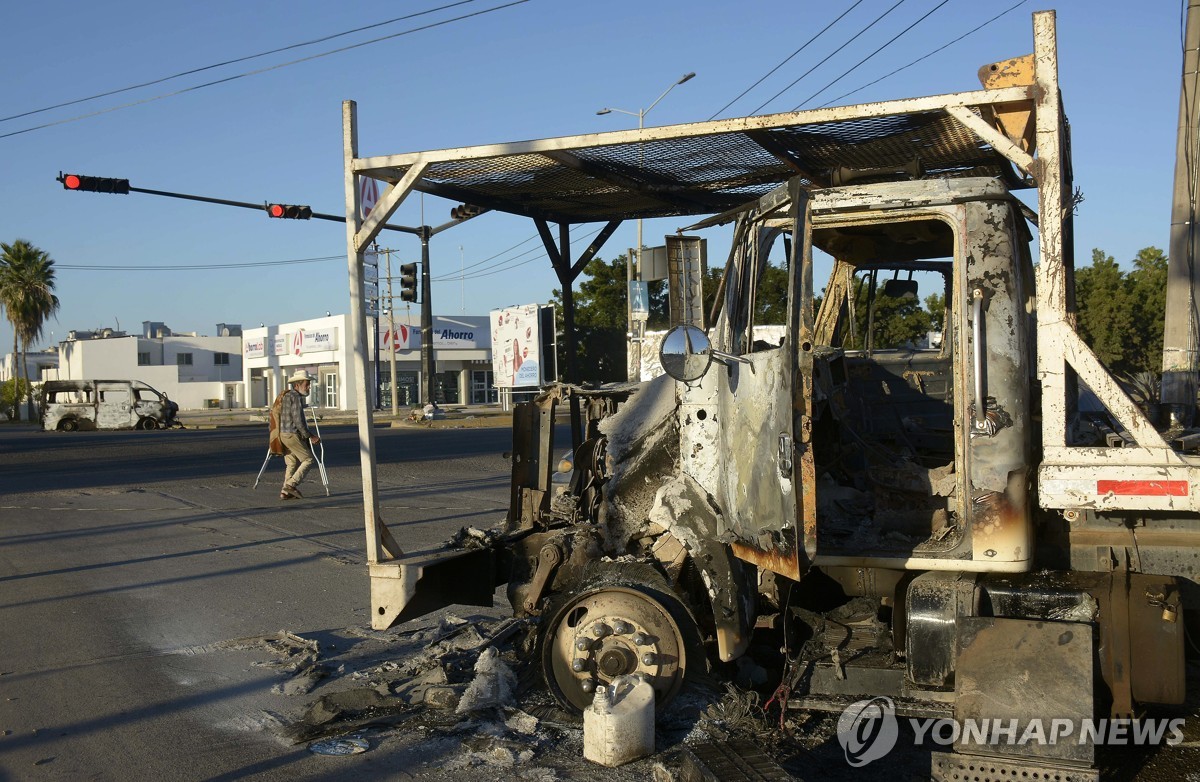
x,y
299,376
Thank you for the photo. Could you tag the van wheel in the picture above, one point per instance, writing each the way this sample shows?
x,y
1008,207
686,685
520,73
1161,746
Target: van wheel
x,y
69,425
147,424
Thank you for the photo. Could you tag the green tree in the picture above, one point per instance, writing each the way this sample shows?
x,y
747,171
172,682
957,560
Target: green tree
x,y
1148,294
770,303
1104,312
27,297
11,392
601,319
935,305
1121,314
896,321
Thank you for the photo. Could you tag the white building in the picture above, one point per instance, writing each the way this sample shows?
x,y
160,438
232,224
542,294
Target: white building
x,y
462,360
37,363
195,371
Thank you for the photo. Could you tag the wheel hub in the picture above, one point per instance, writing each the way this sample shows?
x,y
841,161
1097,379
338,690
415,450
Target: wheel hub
x,y
609,632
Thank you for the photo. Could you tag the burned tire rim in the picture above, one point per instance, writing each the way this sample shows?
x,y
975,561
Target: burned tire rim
x,y
603,633
69,425
147,424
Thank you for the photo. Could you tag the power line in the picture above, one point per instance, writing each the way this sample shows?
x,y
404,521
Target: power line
x,y
877,20
927,56
855,67
193,88
497,255
234,61
187,267
505,265
785,60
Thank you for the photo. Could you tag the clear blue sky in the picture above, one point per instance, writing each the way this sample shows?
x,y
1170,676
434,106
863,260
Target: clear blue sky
x,y
537,69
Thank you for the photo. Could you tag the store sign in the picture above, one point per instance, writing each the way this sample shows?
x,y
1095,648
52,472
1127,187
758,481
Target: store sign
x,y
313,341
461,333
405,338
256,347
279,345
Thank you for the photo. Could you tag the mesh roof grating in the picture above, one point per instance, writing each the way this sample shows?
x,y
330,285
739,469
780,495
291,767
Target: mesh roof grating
x,y
707,168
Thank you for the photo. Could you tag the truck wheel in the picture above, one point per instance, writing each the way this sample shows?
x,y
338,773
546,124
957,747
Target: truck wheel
x,y
68,425
147,424
601,633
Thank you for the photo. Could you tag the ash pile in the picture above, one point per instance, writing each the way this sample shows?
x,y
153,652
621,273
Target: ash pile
x,y
471,692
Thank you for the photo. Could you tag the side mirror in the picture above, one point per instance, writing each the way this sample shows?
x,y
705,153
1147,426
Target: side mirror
x,y
685,353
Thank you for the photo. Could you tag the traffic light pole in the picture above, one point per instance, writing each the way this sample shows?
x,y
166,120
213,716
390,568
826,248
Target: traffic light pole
x,y
245,205
427,368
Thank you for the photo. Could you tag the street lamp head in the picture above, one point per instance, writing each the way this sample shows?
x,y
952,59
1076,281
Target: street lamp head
x,y
687,77
604,111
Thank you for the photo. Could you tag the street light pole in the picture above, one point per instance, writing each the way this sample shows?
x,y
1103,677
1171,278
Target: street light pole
x,y
636,326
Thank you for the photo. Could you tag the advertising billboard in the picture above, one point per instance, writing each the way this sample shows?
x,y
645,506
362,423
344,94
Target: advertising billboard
x,y
517,346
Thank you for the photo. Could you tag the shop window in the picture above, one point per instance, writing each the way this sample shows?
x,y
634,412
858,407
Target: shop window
x,y
483,388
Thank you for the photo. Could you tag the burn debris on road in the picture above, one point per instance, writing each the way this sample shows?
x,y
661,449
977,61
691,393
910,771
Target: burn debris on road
x,y
469,689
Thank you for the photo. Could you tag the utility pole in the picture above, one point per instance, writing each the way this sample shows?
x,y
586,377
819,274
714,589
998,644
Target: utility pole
x,y
392,332
375,253
427,368
1181,340
637,328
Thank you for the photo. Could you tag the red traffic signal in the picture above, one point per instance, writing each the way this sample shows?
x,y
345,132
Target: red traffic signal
x,y
94,184
289,211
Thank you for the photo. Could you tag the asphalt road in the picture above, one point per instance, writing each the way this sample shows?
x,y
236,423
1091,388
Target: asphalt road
x,y
129,560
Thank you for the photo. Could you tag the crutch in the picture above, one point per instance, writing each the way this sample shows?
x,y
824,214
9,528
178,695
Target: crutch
x,y
320,457
263,469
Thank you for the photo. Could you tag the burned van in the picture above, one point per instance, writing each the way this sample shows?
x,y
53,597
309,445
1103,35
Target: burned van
x,y
69,405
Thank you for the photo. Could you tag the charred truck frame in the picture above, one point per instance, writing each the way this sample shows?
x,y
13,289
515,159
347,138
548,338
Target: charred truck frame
x,y
941,525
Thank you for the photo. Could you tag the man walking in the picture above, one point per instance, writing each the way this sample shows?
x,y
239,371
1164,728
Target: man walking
x,y
294,434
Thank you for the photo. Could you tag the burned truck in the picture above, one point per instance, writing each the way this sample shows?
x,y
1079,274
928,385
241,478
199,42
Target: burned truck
x,y
938,522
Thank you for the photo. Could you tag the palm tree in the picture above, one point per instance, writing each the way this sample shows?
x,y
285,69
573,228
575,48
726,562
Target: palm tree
x,y
27,296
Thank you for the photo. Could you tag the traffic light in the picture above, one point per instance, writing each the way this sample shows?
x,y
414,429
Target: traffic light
x,y
289,211
465,211
94,184
408,282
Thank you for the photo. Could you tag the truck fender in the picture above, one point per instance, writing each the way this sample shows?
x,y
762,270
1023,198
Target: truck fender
x,y
685,511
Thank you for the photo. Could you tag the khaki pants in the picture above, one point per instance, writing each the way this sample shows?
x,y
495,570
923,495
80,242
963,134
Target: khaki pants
x,y
298,457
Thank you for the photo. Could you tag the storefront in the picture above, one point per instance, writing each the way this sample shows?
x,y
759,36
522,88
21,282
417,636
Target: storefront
x,y
462,361
270,354
461,352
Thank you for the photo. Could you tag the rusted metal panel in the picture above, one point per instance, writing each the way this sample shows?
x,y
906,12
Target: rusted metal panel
x,y
784,561
1010,669
1013,72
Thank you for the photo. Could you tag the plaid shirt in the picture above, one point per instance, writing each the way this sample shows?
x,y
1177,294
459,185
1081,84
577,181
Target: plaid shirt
x,y
291,414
